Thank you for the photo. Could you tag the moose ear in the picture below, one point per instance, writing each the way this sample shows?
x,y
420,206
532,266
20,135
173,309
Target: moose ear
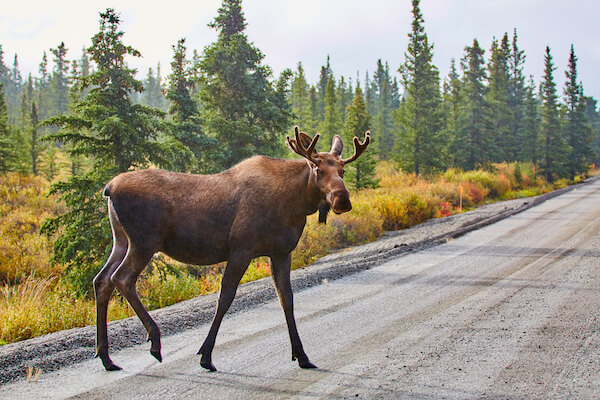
x,y
337,146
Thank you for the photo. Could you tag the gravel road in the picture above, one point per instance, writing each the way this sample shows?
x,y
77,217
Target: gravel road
x,y
452,334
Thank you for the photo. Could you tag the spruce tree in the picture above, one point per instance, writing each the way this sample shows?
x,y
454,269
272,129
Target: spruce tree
x,y
518,94
594,117
59,81
187,126
498,97
332,123
324,76
300,101
577,128
6,145
451,110
241,108
421,144
553,146
473,146
117,136
383,127
530,125
35,145
360,173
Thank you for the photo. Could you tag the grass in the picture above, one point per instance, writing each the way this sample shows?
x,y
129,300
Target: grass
x,y
34,301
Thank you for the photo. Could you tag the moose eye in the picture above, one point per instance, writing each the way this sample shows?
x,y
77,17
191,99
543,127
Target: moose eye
x,y
342,173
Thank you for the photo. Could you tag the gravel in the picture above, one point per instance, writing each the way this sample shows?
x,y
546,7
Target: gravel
x,y
53,351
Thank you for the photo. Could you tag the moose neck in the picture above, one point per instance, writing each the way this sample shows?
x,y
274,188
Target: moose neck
x,y
311,195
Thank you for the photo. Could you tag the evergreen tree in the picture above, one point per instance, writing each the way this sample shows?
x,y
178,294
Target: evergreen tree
x,y
35,147
344,97
13,90
530,125
553,147
300,101
240,106
313,99
152,95
185,116
361,173
3,69
332,123
451,108
117,135
59,82
518,94
498,97
594,117
42,83
421,144
6,144
473,146
324,76
383,131
578,130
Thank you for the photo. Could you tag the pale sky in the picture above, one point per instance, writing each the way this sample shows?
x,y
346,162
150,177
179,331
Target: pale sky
x,y
355,34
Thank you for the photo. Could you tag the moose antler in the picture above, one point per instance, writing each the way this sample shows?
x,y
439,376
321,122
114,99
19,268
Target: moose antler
x,y
359,147
298,148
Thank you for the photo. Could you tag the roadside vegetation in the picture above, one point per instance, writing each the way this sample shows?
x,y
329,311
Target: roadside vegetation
x,y
34,301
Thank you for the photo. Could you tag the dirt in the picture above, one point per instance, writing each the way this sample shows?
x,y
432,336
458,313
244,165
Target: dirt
x,y
60,349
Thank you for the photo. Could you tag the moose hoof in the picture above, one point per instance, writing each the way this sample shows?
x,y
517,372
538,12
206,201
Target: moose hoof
x,y
156,354
303,362
306,365
112,367
107,363
208,365
109,366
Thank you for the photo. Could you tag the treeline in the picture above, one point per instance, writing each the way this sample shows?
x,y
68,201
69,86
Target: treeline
x,y
223,105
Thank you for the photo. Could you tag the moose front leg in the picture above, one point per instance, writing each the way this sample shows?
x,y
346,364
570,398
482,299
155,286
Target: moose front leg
x,y
280,268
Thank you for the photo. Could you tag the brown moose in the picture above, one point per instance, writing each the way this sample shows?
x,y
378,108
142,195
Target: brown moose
x,y
256,208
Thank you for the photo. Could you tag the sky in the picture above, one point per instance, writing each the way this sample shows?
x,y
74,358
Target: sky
x,y
354,33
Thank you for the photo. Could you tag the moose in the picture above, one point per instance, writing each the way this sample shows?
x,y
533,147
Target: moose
x,y
256,208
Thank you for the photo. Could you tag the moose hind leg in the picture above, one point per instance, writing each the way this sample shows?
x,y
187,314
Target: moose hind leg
x,y
280,268
103,289
234,271
125,278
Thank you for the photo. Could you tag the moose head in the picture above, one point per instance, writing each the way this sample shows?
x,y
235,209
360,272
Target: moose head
x,y
328,169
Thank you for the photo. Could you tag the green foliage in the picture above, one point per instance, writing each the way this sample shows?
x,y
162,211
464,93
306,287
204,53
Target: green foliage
x,y
187,126
331,124
240,106
361,172
6,144
300,102
553,146
473,147
118,135
498,96
419,118
577,127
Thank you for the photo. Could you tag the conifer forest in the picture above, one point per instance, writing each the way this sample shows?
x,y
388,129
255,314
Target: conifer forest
x,y
86,116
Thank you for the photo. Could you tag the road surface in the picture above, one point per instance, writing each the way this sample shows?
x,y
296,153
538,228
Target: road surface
x,y
511,310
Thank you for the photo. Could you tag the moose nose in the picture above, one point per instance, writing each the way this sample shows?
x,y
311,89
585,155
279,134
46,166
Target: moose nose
x,y
340,201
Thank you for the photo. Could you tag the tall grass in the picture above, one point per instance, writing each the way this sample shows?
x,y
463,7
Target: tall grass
x,y
34,301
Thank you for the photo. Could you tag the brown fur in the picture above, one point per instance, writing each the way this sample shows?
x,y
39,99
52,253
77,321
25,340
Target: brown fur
x,y
256,208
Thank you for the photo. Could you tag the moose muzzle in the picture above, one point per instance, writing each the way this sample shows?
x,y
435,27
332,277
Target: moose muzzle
x,y
339,199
